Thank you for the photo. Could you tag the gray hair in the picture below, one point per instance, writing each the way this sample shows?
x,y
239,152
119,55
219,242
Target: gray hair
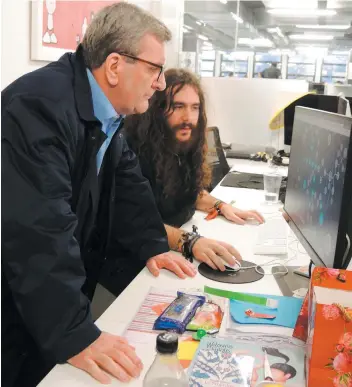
x,y
119,28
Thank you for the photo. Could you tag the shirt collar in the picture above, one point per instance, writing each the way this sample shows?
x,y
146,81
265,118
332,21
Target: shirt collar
x,y
103,110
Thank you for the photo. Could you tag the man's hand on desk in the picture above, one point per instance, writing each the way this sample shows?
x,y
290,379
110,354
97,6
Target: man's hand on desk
x,y
213,253
109,354
238,216
172,262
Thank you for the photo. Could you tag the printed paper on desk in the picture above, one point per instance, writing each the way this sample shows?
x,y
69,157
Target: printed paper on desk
x,y
140,329
286,362
285,315
217,364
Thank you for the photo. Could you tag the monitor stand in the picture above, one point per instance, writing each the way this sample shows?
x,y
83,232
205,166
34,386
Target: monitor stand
x,y
290,282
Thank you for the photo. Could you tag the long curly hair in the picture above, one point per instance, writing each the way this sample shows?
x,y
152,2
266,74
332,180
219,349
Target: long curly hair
x,y
153,138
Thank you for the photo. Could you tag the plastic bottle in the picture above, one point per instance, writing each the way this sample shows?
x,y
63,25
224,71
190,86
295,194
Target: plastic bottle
x,y
166,370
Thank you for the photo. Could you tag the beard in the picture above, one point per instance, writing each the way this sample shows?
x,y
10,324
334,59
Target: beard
x,y
183,147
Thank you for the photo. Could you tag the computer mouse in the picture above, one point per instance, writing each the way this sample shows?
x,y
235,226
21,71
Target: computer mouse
x,y
252,222
235,267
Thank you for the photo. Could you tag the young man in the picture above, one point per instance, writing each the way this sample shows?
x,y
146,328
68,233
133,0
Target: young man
x,y
70,186
170,141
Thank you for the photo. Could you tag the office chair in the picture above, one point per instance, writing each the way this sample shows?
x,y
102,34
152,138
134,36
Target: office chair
x,y
216,157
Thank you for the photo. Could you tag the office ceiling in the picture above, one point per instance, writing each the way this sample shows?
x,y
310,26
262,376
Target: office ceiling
x,y
213,19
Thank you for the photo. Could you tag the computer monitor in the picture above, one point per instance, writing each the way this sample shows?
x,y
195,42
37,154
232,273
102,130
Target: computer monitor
x,y
319,88
319,187
329,103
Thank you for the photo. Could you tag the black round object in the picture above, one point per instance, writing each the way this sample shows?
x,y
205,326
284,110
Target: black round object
x,y
167,342
239,277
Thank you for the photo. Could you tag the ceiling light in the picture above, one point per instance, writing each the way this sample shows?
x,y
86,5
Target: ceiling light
x,y
291,12
311,37
237,18
200,22
202,37
291,4
223,1
275,30
324,27
187,27
260,42
185,30
271,30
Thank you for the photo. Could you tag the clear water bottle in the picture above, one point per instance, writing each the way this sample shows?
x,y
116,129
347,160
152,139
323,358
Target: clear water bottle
x,y
166,370
272,183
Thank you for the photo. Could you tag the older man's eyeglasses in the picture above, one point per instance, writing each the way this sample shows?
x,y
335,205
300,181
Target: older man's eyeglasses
x,y
161,68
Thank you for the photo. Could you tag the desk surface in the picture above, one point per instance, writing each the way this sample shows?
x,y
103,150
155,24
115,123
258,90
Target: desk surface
x,y
118,316
250,166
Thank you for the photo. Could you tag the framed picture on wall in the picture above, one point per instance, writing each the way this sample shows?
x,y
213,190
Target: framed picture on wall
x,y
59,26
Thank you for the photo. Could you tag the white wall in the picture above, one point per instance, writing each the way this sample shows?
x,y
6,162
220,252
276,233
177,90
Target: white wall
x,y
332,89
243,108
15,41
16,33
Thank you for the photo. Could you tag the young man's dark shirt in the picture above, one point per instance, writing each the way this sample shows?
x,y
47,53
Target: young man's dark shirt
x,y
178,208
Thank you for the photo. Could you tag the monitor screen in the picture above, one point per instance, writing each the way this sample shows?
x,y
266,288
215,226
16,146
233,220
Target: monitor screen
x,y
316,179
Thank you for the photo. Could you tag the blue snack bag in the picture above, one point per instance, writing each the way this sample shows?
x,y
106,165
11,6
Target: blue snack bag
x,y
179,313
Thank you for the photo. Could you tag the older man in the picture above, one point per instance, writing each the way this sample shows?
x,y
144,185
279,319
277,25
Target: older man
x,y
71,186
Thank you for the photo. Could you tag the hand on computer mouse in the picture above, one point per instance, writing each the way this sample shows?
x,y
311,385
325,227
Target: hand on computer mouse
x,y
239,216
215,254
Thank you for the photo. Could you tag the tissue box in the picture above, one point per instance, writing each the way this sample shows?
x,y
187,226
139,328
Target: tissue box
x,y
329,343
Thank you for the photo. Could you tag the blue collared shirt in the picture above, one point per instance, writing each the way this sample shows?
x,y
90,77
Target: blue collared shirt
x,y
106,114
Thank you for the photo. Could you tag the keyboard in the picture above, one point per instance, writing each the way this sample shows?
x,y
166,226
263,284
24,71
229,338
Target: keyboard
x,y
272,237
235,154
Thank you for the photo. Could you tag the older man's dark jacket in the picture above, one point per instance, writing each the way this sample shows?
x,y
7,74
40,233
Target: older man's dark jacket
x,y
58,216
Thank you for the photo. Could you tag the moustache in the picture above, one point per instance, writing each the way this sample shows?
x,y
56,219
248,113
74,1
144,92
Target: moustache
x,y
184,125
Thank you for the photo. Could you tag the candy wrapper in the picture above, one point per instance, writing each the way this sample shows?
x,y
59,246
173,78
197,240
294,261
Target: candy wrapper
x,y
179,313
208,317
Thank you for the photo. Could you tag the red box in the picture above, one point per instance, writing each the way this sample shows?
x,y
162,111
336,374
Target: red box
x,y
329,343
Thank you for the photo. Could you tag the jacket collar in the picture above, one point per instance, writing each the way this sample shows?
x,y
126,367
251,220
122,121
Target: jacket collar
x,y
83,94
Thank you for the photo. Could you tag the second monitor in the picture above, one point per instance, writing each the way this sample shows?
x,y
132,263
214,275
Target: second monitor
x,y
319,188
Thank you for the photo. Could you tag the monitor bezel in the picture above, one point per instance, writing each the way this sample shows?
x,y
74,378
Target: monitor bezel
x,y
346,201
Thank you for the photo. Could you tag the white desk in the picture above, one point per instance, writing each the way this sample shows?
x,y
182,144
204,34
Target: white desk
x,y
117,317
250,166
